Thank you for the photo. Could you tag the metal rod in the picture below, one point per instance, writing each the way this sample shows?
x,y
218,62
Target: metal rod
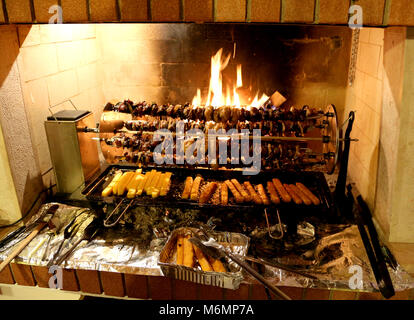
x,y
258,276
265,138
279,266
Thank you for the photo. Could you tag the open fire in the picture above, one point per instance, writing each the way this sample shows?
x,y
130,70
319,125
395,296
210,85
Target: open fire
x,y
235,94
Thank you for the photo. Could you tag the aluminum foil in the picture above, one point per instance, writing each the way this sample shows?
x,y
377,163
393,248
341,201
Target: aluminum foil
x,y
234,242
128,257
337,273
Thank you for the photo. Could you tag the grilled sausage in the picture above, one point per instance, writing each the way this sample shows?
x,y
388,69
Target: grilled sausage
x,y
310,195
208,192
282,191
301,195
272,191
224,194
262,194
237,196
242,191
256,198
293,194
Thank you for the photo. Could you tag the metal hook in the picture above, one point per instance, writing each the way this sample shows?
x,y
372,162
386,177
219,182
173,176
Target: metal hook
x,y
280,226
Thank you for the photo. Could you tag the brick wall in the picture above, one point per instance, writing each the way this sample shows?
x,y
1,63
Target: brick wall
x,y
121,285
376,12
58,63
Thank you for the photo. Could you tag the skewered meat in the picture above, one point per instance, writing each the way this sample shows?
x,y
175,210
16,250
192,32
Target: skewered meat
x,y
209,113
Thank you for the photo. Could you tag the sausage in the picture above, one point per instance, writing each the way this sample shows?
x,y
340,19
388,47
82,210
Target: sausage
x,y
310,195
281,190
187,188
256,198
262,194
224,194
237,196
272,191
293,194
195,187
242,191
301,195
208,192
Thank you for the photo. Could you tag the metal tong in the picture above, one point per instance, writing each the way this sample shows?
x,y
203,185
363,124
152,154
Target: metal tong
x,y
279,224
216,251
70,231
21,231
36,228
106,221
90,232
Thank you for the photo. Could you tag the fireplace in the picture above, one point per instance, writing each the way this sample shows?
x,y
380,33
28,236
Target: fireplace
x,y
163,55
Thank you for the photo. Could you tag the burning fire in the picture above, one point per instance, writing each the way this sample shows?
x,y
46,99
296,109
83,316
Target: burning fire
x,y
216,97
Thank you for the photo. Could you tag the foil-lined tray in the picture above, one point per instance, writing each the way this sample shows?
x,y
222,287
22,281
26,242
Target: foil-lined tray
x,y
235,242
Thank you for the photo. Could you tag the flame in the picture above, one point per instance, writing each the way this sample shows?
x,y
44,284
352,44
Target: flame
x,y
228,97
215,96
236,99
197,98
239,76
258,102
